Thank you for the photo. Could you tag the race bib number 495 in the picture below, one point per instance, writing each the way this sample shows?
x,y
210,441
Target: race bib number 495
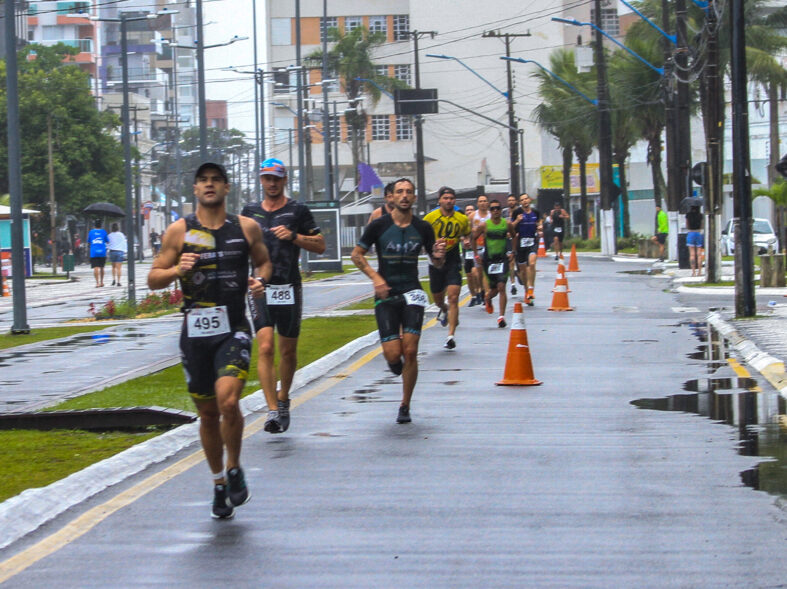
x,y
280,294
205,322
416,297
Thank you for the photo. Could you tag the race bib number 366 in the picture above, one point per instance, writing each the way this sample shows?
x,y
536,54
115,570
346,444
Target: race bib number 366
x,y
416,297
280,294
207,322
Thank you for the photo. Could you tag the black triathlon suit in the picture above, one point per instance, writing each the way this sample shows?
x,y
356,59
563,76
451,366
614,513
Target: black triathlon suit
x,y
216,338
398,249
282,305
527,236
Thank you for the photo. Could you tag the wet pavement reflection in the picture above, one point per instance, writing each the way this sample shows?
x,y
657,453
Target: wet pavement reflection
x,y
67,366
758,416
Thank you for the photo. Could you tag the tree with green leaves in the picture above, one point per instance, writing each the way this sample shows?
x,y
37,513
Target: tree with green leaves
x,y
568,117
87,156
226,146
350,57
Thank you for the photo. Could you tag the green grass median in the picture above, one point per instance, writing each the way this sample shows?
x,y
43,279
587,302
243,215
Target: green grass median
x,y
47,456
40,334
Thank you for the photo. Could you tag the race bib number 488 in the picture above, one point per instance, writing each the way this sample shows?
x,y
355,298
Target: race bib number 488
x,y
280,294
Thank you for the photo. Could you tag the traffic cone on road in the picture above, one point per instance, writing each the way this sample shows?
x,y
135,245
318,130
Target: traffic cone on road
x,y
519,367
6,290
561,279
573,265
560,296
542,250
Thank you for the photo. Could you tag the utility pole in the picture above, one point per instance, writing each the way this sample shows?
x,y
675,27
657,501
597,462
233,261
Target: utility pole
x,y
745,303
683,136
671,133
419,131
299,98
714,96
52,204
15,172
608,243
327,131
513,132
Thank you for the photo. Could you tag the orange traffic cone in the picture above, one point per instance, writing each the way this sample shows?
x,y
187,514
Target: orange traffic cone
x,y
573,265
6,289
561,279
542,250
519,368
560,296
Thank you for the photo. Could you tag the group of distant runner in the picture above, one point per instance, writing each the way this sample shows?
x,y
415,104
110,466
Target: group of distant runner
x,y
226,262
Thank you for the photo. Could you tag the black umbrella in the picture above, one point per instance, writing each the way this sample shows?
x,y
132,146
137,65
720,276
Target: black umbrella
x,y
690,201
104,208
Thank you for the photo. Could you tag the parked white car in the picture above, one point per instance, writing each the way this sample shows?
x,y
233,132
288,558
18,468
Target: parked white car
x,y
763,233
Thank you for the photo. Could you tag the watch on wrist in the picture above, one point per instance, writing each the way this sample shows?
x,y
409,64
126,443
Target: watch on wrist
x,y
262,281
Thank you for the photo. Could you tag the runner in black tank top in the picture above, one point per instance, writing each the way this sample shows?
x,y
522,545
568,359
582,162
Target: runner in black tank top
x,y
209,253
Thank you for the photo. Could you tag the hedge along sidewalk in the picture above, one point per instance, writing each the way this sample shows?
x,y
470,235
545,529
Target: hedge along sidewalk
x,y
32,508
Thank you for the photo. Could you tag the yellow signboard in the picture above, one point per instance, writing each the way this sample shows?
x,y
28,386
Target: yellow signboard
x,y
552,177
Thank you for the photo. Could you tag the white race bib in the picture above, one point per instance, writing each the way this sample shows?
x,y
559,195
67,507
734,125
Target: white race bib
x,y
558,230
481,250
526,241
416,297
469,255
280,294
207,321
495,268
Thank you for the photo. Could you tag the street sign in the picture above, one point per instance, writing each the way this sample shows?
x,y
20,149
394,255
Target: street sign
x,y
415,102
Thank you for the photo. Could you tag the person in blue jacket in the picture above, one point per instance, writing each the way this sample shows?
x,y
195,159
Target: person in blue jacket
x,y
97,241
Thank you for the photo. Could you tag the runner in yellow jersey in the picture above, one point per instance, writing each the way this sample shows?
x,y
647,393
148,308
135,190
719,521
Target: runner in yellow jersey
x,y
446,282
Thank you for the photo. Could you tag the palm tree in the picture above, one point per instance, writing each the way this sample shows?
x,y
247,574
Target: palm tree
x,y
568,117
352,61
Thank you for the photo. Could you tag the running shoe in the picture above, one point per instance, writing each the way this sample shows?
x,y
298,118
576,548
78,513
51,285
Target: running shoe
x,y
501,322
404,415
284,414
513,288
473,301
222,509
449,344
442,317
529,298
396,367
488,306
238,491
272,424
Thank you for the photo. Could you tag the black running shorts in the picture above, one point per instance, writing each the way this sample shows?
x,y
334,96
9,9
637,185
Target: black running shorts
x,y
206,359
285,319
395,316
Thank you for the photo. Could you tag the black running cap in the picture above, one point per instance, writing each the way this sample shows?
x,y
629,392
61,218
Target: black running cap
x,y
445,189
212,166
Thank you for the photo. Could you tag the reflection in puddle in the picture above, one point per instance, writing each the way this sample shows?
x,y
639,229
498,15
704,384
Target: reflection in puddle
x,y
649,271
760,418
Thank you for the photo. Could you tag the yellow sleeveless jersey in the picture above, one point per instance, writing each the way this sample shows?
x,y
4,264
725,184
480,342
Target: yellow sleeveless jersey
x,y
448,228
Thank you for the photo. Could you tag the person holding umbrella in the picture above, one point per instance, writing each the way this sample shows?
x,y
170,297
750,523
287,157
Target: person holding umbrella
x,y
98,240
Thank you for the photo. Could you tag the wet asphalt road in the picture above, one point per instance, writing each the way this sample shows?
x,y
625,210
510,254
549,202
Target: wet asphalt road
x,y
574,483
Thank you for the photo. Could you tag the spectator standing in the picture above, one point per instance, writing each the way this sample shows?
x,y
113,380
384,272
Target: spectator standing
x,y
155,242
662,230
117,252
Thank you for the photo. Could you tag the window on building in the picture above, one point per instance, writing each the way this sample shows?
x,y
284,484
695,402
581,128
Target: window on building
x,y
351,23
32,9
610,23
404,128
72,7
402,72
52,32
378,24
401,25
326,24
281,81
381,127
381,70
281,31
336,127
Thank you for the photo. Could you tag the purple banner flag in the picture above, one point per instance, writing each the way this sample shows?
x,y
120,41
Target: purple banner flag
x,y
369,178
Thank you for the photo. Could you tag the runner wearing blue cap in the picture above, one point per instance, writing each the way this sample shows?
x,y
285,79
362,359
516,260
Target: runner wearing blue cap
x,y
287,226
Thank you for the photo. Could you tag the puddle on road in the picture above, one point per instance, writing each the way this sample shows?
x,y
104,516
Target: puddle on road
x,y
363,396
760,418
648,272
78,342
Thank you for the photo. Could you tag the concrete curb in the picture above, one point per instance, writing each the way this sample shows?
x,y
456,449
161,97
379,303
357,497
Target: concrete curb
x,y
771,368
32,508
